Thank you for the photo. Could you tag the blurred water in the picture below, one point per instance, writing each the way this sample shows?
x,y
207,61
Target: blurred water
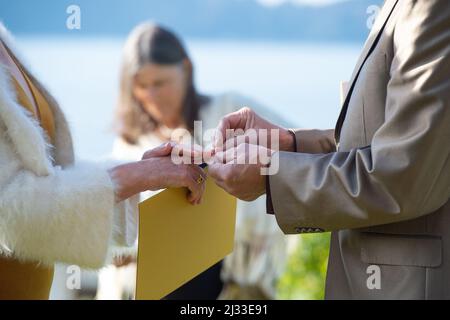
x,y
300,81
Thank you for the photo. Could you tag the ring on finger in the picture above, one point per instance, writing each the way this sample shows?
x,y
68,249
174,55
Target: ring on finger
x,y
200,179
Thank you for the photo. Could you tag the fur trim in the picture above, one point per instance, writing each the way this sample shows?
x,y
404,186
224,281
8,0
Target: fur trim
x,y
26,134
66,217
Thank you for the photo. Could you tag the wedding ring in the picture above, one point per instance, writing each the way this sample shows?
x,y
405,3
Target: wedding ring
x,y
200,180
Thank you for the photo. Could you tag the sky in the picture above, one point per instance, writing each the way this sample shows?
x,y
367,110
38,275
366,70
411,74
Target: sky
x,y
308,2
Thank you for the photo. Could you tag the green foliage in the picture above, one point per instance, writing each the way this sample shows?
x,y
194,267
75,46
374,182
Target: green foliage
x,y
306,269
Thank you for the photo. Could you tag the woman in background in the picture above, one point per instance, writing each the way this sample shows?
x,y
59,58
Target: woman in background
x,y
158,96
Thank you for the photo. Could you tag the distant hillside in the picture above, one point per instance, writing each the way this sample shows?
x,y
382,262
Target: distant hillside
x,y
223,19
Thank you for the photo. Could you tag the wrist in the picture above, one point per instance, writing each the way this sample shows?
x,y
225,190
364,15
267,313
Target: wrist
x,y
287,140
150,177
115,174
127,179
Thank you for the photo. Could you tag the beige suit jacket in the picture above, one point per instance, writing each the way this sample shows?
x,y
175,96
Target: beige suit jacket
x,y
381,180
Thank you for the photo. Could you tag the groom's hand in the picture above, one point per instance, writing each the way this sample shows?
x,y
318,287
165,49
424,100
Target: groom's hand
x,y
231,128
239,170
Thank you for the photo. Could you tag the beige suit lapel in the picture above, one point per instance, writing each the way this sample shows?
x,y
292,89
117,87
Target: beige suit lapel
x,y
375,32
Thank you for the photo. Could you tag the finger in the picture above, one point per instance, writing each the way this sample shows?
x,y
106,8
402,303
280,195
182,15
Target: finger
x,y
249,137
196,182
193,187
199,172
246,154
228,156
208,155
199,201
197,195
160,151
232,121
237,155
190,151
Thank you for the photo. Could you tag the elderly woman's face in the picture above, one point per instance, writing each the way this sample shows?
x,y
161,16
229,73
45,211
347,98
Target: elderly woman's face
x,y
161,89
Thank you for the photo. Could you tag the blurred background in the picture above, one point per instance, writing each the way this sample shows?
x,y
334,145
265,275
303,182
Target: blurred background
x,y
289,55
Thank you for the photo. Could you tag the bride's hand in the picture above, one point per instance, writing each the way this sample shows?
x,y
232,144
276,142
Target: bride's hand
x,y
167,174
157,171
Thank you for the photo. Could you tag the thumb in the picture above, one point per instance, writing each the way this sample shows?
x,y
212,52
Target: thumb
x,y
160,151
229,124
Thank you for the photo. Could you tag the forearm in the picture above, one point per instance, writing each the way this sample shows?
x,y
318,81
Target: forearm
x,y
127,179
130,179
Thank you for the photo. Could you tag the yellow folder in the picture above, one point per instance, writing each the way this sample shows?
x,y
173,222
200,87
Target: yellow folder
x,y
178,241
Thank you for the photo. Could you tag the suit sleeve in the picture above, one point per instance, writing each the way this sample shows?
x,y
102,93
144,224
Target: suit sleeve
x,y
405,172
314,141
